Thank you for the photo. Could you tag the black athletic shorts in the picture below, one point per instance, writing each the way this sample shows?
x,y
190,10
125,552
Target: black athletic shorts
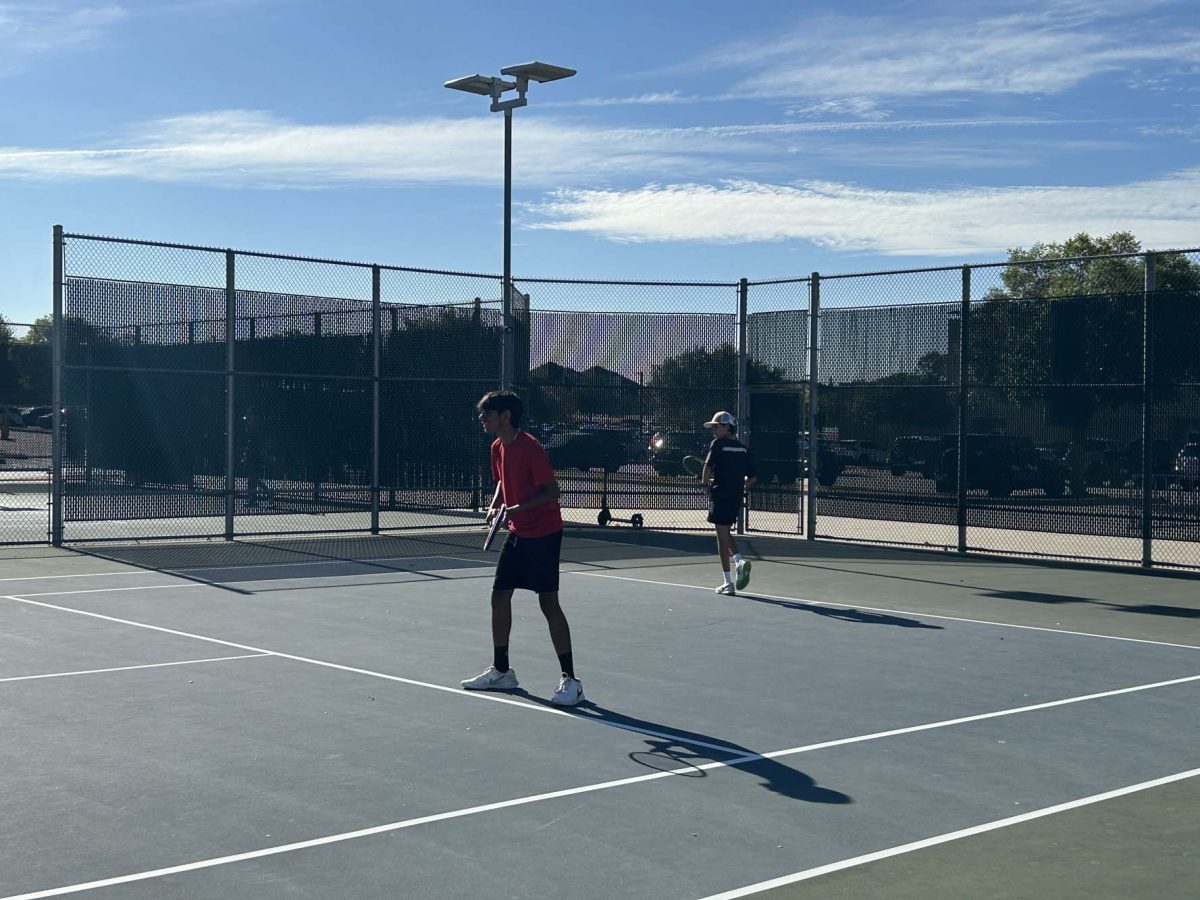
x,y
529,564
724,506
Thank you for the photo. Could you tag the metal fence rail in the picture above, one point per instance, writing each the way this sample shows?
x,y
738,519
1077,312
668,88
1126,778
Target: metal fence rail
x,y
1041,408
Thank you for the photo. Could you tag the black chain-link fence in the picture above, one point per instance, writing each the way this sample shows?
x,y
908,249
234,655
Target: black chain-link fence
x,y
25,432
343,398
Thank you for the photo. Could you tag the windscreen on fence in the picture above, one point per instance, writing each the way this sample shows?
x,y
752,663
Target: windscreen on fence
x,y
209,392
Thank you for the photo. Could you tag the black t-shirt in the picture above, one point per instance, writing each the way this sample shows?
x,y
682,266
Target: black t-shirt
x,y
731,463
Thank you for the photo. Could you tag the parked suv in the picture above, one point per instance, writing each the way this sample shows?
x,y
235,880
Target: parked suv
x,y
1187,467
775,456
1001,464
594,449
917,453
861,453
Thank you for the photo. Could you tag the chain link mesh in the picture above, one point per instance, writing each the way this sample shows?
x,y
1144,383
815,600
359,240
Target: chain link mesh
x,y
619,397
617,378
25,434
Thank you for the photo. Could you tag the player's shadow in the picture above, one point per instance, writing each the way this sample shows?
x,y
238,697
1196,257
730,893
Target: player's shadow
x,y
845,614
670,748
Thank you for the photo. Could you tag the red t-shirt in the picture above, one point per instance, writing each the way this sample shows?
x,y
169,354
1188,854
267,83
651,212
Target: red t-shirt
x,y
521,468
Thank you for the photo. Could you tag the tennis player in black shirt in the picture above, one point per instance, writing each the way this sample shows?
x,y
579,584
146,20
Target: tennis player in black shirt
x,y
728,470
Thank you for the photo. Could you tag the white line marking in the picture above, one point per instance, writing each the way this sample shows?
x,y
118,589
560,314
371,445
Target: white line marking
x,y
142,587
949,836
979,717
895,612
182,662
349,835
681,739
605,785
185,570
409,823
81,575
458,692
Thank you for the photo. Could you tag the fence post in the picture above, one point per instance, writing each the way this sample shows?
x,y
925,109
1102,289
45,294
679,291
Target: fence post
x,y
375,398
964,349
230,340
814,315
56,394
1151,285
742,404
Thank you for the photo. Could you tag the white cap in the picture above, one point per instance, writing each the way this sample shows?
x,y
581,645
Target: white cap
x,y
721,418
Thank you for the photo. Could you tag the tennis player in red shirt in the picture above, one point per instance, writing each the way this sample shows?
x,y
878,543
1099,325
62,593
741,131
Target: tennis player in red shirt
x,y
529,557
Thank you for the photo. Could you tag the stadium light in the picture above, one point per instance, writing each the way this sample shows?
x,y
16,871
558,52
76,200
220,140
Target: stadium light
x,y
495,88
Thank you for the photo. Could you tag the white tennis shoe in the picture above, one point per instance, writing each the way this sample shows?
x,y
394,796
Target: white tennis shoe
x,y
727,589
569,693
743,574
492,679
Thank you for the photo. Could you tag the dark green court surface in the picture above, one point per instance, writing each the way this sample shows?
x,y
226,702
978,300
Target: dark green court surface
x,y
283,719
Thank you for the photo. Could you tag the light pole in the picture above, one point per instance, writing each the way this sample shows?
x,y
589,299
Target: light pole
x,y
494,87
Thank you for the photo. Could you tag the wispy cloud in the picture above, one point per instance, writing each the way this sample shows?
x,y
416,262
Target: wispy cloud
x,y
29,30
1045,52
1188,131
657,98
855,107
1163,212
248,148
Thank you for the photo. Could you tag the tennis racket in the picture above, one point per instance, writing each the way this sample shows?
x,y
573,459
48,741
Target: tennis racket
x,y
693,465
498,522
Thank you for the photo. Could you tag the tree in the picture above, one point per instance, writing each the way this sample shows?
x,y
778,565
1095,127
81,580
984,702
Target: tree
x,y
1065,330
693,383
40,331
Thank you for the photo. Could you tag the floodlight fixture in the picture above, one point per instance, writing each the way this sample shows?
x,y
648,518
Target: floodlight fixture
x,y
537,71
481,84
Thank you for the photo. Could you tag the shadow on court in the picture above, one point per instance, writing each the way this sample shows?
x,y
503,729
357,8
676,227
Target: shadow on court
x,y
674,747
846,615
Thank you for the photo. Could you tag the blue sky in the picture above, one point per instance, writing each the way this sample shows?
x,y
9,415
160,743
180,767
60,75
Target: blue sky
x,y
699,140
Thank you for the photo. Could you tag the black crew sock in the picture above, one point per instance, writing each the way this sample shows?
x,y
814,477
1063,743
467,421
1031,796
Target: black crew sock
x,y
500,658
567,663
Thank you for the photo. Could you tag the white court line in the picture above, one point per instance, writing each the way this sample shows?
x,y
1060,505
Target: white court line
x,y
895,612
601,786
536,707
141,587
315,562
949,836
458,692
395,826
182,662
80,575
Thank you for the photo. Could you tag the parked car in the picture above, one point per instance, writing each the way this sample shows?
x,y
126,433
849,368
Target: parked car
x,y
1162,462
1001,464
1187,467
584,450
15,418
917,453
860,453
776,456
31,414
1103,461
